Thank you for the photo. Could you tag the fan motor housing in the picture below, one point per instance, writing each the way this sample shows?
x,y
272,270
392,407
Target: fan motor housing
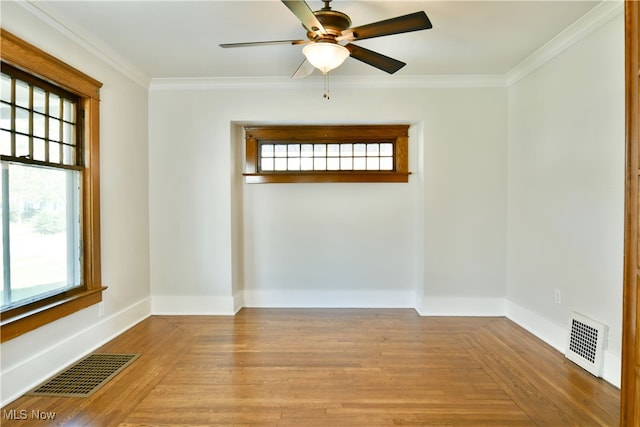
x,y
333,21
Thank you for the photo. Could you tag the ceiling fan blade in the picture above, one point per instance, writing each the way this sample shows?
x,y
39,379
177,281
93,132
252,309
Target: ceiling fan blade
x,y
304,13
375,59
303,70
265,43
400,24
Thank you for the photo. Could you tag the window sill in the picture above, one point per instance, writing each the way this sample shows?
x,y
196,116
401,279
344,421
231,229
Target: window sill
x,y
284,177
21,320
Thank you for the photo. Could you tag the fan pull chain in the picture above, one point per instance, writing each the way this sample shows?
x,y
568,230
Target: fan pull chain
x,y
326,86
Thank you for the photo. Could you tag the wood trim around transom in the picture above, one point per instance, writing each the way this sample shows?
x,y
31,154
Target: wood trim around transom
x,y
397,134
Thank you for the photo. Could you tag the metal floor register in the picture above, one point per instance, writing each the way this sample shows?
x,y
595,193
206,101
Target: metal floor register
x,y
85,377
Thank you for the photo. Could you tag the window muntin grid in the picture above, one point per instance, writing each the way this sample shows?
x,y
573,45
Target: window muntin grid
x,y
318,157
38,121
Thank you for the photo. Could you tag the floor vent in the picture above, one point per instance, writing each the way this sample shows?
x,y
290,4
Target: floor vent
x,y
587,339
86,376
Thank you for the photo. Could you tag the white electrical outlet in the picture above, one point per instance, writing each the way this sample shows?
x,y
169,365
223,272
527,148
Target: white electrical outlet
x,y
100,309
557,296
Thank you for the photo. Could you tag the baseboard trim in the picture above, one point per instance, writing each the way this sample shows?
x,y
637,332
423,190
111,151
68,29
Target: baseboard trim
x,y
287,298
193,305
23,376
238,301
550,332
467,307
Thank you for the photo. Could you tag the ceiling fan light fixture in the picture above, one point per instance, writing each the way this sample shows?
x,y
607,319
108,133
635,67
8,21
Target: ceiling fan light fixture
x,y
325,56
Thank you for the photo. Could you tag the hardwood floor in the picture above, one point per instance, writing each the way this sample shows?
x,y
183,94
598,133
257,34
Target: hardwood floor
x,y
335,367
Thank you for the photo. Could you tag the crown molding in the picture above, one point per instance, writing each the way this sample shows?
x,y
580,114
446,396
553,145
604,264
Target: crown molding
x,y
85,40
594,19
359,82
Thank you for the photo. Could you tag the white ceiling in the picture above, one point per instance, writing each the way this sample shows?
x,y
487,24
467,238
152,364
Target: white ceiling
x,y
180,39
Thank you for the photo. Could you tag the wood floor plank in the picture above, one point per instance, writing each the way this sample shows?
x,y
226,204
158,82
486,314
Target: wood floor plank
x,y
336,367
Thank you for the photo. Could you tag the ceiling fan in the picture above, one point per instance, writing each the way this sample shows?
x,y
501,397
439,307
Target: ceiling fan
x,y
327,29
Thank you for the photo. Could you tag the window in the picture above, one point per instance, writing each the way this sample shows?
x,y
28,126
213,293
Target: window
x,y
367,153
40,188
49,239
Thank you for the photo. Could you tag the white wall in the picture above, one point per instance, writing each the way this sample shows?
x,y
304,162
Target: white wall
x,y
465,203
325,244
566,186
32,357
